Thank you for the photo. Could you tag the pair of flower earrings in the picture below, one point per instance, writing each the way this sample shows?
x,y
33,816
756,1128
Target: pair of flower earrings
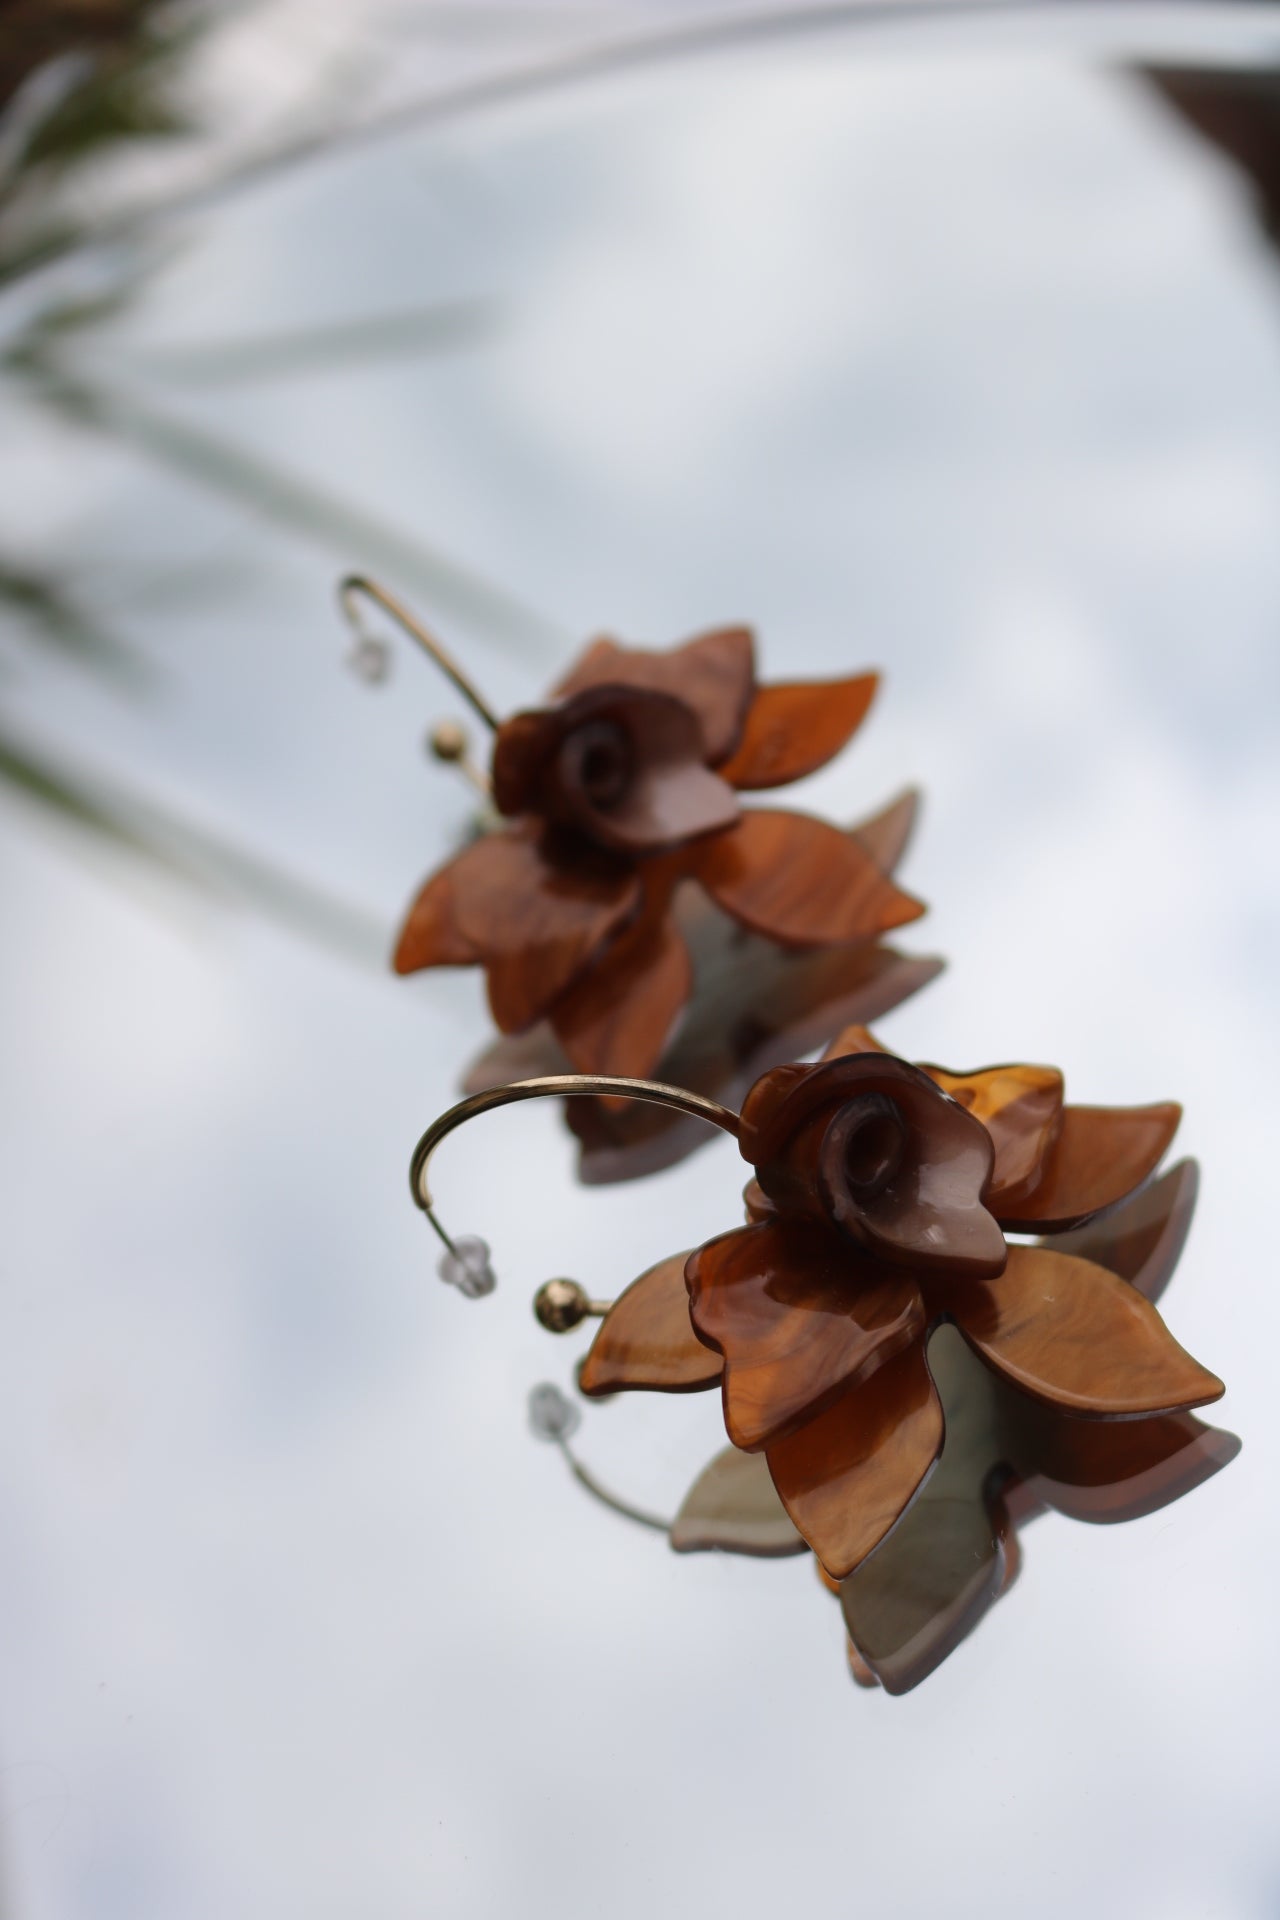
x,y
903,1384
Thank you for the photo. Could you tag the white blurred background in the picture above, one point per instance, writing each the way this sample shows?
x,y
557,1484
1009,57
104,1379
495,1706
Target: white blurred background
x,y
941,344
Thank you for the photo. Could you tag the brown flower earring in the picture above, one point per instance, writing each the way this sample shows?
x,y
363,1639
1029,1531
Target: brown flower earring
x,y
875,1271
616,800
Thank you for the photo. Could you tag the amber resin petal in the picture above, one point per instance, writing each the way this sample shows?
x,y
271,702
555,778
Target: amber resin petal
x,y
1077,1337
1142,1239
797,1315
646,1339
799,881
1021,1108
1100,1155
713,674
794,728
534,921
617,1017
431,936
847,1476
733,1507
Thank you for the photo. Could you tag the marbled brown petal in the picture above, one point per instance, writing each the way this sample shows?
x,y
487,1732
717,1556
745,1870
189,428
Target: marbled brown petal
x,y
536,922
847,1476
1077,1337
1021,1108
646,1340
1100,1155
796,1315
617,1016
794,728
1141,1239
799,881
1111,1470
431,936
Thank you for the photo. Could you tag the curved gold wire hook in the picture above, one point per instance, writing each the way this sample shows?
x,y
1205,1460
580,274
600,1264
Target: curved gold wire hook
x,y
356,584
547,1087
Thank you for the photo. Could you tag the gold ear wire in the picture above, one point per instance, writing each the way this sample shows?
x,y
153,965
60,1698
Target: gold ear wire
x,y
471,1259
356,584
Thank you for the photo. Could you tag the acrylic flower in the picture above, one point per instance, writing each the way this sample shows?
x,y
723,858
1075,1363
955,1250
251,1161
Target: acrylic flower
x,y
624,786
878,1211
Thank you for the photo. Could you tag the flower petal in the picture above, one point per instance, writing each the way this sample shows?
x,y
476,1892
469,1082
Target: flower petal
x,y
431,936
800,1125
535,921
1100,1155
733,1506
886,834
713,674
1111,1470
1142,1238
1077,1337
647,1340
1021,1108
930,1582
847,1476
799,881
618,1015
794,728
797,1315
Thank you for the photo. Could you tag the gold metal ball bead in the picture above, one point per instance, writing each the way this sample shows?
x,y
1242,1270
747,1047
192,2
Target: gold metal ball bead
x,y
561,1305
448,740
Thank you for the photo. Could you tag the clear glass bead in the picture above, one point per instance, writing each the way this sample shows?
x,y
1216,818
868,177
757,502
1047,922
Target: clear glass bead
x,y
467,1268
370,660
551,1414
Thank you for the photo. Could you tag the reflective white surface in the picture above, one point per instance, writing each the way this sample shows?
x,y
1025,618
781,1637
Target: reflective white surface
x,y
957,361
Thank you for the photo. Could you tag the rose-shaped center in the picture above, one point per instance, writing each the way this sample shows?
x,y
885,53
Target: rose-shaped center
x,y
862,1149
596,763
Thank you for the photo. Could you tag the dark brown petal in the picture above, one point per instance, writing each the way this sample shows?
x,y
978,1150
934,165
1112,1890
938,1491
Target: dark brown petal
x,y
1142,1238
848,1475
647,1340
945,1564
714,674
732,1507
799,1126
797,1316
800,881
1077,1337
1111,1470
1101,1154
535,923
793,729
852,1039
617,1016
886,834
622,765
431,936
1021,1108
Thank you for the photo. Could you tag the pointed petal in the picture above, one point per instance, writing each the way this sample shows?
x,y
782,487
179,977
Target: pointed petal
x,y
646,1340
1143,1237
431,935
1021,1108
1077,1337
847,1476
1100,1155
799,881
853,1039
795,728
732,1506
797,1316
617,1016
535,923
1111,1470
713,674
947,1562
886,835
